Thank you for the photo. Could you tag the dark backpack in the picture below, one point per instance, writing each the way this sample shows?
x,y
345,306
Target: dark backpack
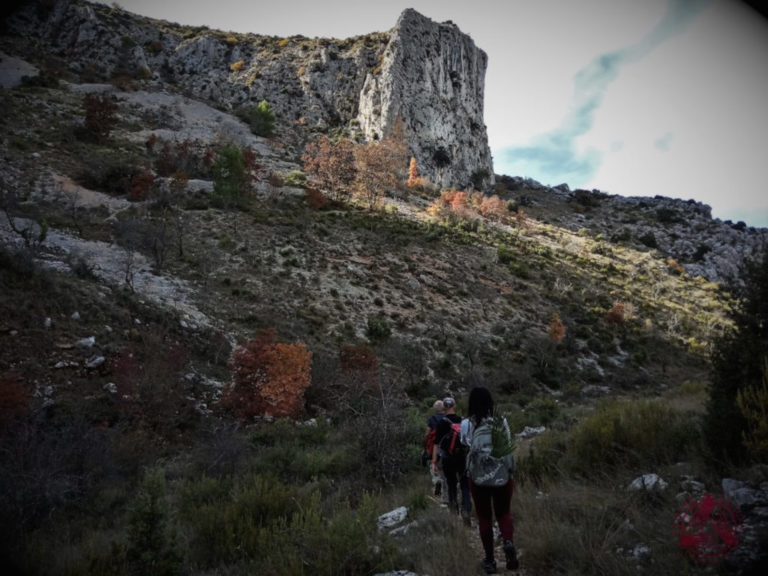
x,y
451,445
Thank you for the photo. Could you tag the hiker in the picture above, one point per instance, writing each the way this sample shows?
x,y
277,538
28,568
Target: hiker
x,y
451,454
490,478
429,440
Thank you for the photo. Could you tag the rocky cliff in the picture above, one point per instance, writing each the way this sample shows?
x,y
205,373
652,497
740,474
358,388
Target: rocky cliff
x,y
430,75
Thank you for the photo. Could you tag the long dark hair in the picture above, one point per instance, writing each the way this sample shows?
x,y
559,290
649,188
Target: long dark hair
x,y
480,404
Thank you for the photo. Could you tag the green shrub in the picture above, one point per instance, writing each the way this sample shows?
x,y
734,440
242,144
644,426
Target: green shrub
x,y
295,179
753,404
540,462
151,545
542,411
230,179
378,328
278,528
261,118
505,255
633,433
737,364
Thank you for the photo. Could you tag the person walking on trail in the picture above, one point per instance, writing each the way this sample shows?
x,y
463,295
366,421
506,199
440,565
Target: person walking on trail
x,y
490,465
450,454
429,441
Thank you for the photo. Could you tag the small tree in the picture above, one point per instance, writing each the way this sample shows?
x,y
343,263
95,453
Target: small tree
x,y
374,172
556,328
230,178
413,173
151,544
331,167
100,116
269,378
261,118
380,165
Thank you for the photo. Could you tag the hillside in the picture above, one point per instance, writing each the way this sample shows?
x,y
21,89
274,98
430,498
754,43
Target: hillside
x,y
128,281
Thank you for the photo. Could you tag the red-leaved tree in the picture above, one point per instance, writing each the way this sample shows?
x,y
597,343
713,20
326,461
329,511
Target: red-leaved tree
x,y
269,378
331,167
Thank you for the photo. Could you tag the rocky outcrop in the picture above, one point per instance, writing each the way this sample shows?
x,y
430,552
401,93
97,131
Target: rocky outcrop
x,y
431,75
681,230
751,496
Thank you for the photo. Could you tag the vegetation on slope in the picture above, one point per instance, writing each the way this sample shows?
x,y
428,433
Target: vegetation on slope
x,y
125,453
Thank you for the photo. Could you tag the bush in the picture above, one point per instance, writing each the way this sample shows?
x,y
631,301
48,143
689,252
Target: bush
x,y
151,545
737,363
636,433
277,528
295,179
505,255
378,328
109,173
261,118
230,178
100,117
269,378
753,404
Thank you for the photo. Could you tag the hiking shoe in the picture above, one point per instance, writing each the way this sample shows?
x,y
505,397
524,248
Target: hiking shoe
x,y
511,555
489,566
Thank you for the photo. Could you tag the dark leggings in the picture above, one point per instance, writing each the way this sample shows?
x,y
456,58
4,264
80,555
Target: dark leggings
x,y
490,501
455,474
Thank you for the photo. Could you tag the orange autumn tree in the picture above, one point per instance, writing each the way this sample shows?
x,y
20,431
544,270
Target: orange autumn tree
x,y
556,328
413,173
269,377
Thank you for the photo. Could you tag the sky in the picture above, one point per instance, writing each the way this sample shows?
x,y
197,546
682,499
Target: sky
x,y
631,97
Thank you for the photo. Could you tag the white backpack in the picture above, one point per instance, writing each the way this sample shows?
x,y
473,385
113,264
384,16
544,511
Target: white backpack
x,y
490,465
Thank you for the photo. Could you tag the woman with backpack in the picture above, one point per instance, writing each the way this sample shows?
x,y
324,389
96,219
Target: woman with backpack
x,y
490,465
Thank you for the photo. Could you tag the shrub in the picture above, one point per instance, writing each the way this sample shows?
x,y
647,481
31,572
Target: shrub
x,y
141,184
636,433
237,66
269,378
505,255
267,526
100,116
230,178
753,404
315,199
151,545
413,173
378,328
617,314
261,118
295,178
737,363
556,328
331,166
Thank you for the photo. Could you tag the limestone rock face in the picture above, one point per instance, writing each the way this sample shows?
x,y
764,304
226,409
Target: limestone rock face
x,y
433,77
